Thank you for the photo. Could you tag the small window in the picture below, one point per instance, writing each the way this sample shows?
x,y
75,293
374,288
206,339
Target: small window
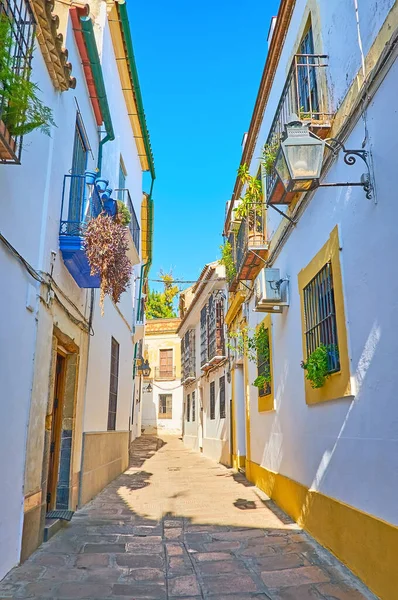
x,y
113,385
320,316
188,407
193,407
165,406
264,366
222,397
212,400
166,363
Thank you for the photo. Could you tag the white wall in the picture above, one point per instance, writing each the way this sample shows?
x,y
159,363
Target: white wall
x,y
151,420
348,448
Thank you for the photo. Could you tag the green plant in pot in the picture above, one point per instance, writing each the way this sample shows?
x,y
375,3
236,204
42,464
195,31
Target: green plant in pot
x,y
270,152
123,213
317,365
251,205
21,109
254,346
228,261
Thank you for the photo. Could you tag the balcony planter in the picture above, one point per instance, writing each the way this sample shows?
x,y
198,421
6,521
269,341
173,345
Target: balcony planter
x,y
277,194
90,177
106,194
101,184
8,145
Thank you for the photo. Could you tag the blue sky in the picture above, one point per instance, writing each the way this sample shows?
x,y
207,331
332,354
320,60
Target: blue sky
x,y
200,66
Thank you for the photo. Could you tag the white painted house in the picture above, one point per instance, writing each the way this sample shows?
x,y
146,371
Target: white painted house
x,y
162,400
69,402
321,277
205,365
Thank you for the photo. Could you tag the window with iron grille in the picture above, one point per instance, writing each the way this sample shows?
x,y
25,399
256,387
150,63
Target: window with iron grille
x,y
320,316
193,407
264,366
188,407
113,385
216,345
165,406
203,336
306,76
222,397
212,400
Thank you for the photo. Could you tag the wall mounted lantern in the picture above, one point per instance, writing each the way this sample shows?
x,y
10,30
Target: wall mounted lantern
x,y
300,157
143,367
148,388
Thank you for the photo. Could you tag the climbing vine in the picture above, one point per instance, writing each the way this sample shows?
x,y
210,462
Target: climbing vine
x,y
317,365
228,261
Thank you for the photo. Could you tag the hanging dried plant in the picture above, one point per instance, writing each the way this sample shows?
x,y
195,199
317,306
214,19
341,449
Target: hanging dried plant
x,y
106,247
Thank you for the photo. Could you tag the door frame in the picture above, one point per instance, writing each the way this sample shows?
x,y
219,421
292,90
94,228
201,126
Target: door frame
x,y
56,431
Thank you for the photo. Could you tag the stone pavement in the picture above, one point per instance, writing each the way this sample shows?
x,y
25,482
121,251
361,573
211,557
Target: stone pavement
x,y
177,525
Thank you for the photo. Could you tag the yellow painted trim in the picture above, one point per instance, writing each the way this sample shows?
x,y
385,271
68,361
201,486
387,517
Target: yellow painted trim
x,y
233,418
366,544
338,385
266,403
234,306
145,234
127,84
238,462
32,501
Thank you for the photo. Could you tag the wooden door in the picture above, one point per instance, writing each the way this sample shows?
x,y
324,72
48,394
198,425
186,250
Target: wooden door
x,y
56,429
166,363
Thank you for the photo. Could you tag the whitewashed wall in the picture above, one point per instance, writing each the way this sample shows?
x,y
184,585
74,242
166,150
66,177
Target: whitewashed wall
x,y
151,420
348,448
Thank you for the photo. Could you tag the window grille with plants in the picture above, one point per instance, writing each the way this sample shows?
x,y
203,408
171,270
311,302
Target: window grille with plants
x,y
320,328
21,110
255,345
263,379
212,400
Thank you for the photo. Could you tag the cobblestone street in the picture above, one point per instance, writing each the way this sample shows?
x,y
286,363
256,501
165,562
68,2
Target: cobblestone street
x,y
177,525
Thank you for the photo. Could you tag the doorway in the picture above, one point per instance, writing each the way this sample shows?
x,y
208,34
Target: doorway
x,y
56,433
200,427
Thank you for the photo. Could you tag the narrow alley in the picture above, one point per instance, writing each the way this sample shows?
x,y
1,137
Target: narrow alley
x,y
178,525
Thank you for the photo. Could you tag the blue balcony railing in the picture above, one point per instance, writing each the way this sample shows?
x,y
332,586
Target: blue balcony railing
x,y
124,195
80,204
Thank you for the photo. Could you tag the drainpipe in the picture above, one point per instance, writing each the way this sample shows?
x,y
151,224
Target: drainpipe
x,y
92,51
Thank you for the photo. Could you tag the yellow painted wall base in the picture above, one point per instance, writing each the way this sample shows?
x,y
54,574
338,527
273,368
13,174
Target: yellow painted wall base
x,y
366,544
238,462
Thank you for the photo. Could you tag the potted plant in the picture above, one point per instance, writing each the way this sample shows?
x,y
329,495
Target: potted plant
x,y
228,261
123,213
270,152
317,364
21,110
109,205
251,206
101,184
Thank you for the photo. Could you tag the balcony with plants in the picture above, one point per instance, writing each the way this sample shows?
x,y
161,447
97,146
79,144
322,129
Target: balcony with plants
x,y
305,96
21,110
129,219
212,335
188,357
94,237
244,252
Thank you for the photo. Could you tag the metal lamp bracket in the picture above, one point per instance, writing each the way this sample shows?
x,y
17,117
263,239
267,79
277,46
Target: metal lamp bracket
x,y
350,158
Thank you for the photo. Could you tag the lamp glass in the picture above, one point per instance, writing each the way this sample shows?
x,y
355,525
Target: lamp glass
x,y
304,160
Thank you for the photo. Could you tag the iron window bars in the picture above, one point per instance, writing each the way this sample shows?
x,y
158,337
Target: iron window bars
x,y
188,407
320,316
222,397
113,385
212,400
19,16
165,406
264,368
193,407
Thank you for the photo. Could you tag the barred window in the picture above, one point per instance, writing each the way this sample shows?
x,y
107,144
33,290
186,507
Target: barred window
x,y
222,397
165,406
264,366
188,407
212,400
113,385
193,406
320,316
203,336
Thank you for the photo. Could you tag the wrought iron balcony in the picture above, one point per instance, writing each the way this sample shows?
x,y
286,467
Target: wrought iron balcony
x,y
249,247
165,372
305,95
188,356
21,22
212,338
80,204
123,195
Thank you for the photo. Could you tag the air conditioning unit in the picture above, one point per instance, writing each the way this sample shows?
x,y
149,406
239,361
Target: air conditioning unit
x,y
271,291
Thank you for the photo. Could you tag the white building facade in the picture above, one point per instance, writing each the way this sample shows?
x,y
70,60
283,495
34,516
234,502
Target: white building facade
x,y
68,409
162,398
324,280
205,365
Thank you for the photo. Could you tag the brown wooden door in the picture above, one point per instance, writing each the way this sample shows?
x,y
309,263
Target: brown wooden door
x,y
56,428
166,363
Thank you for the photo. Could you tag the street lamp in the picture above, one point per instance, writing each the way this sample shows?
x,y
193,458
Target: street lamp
x,y
148,388
143,368
300,156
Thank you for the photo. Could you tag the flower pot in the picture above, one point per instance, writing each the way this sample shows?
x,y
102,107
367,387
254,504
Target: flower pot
x,y
90,176
106,194
101,184
109,206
